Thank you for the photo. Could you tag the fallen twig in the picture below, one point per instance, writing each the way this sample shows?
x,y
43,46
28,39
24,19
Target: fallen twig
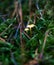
x,y
44,43
26,35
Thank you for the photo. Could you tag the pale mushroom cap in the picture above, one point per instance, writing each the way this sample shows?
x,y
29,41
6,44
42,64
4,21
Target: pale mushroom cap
x,y
26,29
30,26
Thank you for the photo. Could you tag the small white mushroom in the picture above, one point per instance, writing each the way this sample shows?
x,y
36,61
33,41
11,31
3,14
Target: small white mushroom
x,y
31,26
26,29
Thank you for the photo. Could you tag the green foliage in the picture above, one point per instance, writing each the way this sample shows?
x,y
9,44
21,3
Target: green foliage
x,y
10,46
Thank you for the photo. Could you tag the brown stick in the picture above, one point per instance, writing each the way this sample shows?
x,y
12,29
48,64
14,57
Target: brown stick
x,y
26,35
15,12
20,14
30,3
44,43
45,39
